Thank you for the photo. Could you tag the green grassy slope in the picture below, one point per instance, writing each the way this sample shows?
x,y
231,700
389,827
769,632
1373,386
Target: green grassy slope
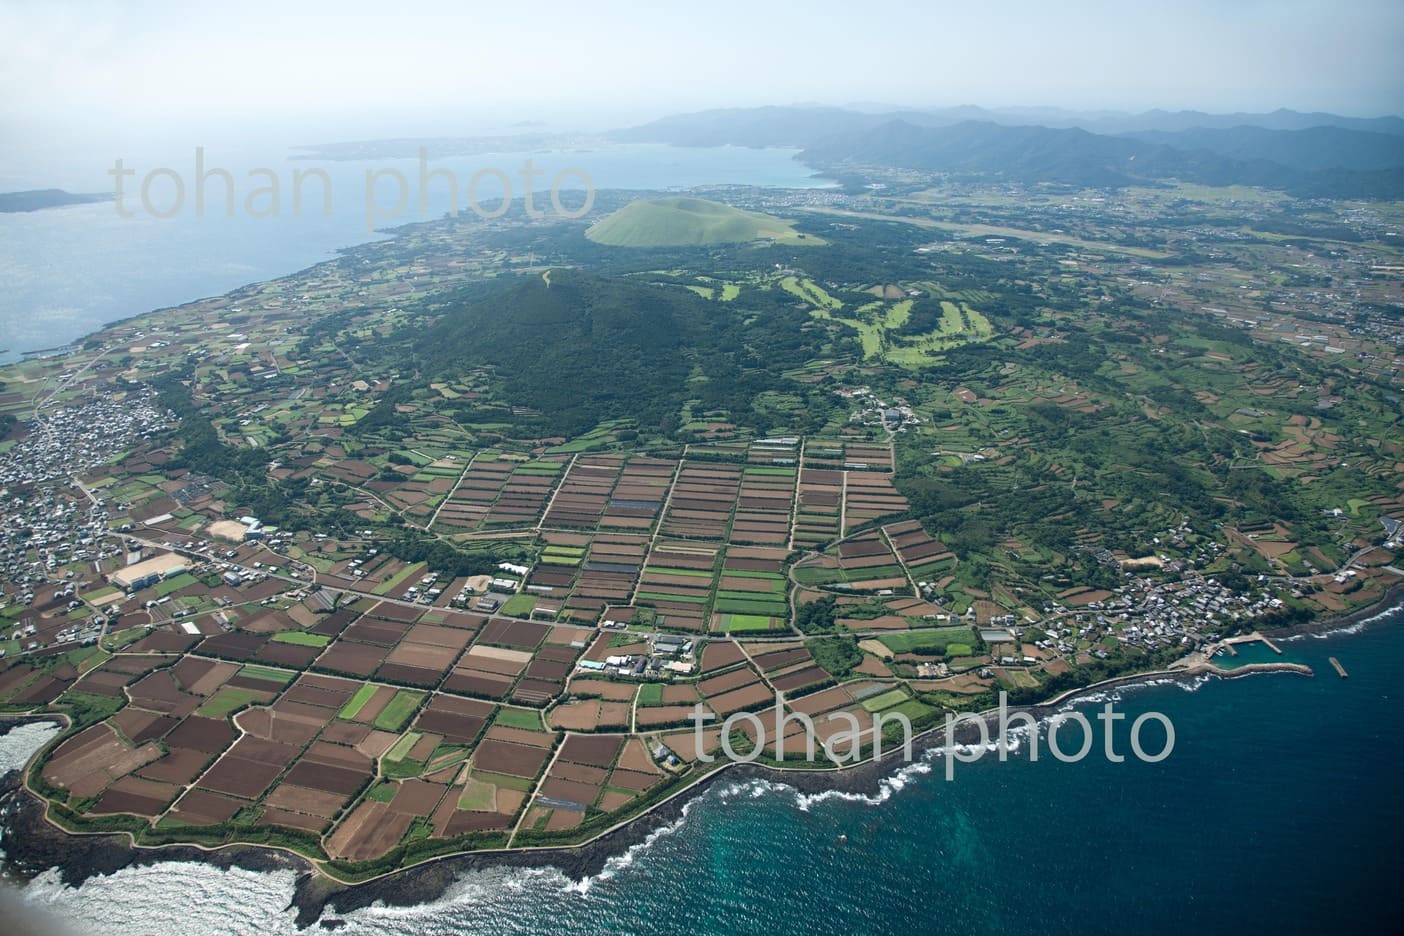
x,y
686,222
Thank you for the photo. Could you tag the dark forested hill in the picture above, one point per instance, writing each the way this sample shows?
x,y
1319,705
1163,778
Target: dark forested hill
x,y
1310,150
585,348
1076,157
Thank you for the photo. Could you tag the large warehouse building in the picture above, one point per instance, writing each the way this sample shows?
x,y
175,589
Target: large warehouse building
x,y
147,572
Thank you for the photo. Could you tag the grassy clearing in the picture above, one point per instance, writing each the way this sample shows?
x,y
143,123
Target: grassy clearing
x,y
691,222
478,795
812,293
914,710
519,605
184,580
383,793
404,575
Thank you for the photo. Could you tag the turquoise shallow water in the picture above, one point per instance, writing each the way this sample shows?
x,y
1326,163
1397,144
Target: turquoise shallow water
x,y
1247,653
1278,811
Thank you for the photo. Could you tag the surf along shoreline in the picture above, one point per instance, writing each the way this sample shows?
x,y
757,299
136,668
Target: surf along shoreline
x,y
33,844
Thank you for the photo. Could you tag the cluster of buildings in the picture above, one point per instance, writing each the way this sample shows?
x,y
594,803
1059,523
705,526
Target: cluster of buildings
x,y
70,440
1154,614
668,655
51,523
874,411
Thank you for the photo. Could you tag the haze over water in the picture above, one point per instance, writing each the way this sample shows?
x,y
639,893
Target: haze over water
x,y
69,271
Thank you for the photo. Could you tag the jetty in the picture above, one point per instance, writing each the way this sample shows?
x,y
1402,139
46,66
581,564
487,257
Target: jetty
x,y
1340,670
1271,646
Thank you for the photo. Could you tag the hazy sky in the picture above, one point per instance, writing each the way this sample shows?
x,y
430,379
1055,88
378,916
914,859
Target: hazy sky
x,y
426,67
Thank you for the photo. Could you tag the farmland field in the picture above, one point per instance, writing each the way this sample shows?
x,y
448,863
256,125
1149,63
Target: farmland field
x,y
972,408
394,716
885,701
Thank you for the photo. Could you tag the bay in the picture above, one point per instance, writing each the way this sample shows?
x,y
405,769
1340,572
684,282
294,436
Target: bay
x,y
68,271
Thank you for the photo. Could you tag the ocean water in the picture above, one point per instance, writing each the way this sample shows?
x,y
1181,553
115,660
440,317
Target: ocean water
x,y
66,272
1278,810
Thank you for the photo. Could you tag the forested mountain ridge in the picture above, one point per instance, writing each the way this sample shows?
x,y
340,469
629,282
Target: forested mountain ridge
x,y
577,348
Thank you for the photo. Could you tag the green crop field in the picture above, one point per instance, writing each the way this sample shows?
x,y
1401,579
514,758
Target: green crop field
x,y
518,718
402,747
227,700
886,700
747,623
353,705
907,641
302,638
744,606
267,674
399,710
520,605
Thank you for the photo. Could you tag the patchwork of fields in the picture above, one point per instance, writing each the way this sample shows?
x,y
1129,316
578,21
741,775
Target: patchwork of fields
x,y
385,732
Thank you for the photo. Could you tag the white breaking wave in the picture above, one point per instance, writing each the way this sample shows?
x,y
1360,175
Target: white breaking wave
x,y
477,888
169,897
621,862
18,745
1355,628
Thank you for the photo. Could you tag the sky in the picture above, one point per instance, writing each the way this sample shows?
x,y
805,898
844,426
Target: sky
x,y
321,71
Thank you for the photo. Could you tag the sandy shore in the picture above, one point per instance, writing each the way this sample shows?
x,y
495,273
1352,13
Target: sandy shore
x,y
33,845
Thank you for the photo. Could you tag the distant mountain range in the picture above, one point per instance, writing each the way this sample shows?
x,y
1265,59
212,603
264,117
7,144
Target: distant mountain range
x,y
803,125
1168,121
1306,154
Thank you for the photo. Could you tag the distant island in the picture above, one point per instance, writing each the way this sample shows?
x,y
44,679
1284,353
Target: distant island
x,y
39,199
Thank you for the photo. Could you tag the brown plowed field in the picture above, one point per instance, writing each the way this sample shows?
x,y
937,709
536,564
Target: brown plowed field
x,y
516,760
598,751
305,800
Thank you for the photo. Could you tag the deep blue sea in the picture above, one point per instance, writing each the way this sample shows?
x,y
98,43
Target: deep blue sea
x,y
66,272
1278,811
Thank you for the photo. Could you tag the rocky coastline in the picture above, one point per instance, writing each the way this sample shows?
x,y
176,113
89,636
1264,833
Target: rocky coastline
x,y
33,845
